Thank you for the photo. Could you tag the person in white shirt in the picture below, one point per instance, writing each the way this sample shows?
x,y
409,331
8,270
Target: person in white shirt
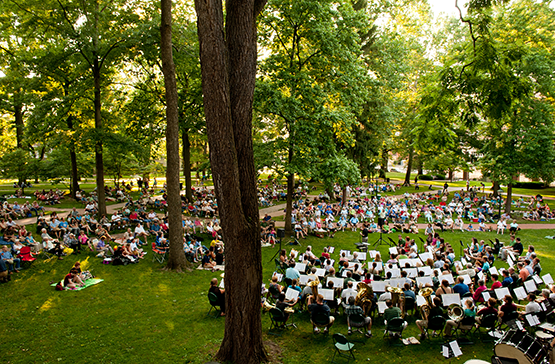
x,y
533,306
140,231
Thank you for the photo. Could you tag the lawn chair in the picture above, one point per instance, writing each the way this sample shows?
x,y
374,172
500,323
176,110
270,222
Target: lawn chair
x,y
278,321
436,324
214,304
343,347
488,322
158,254
26,256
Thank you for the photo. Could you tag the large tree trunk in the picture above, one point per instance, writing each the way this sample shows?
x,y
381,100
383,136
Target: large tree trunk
x,y
176,260
98,149
509,198
228,90
72,153
289,203
409,166
186,147
384,162
19,123
495,186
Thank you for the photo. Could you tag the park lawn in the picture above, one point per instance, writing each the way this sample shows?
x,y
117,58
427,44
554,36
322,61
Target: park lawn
x,y
140,314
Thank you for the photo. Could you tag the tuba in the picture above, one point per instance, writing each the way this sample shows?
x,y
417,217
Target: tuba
x,y
395,295
314,286
267,306
455,312
425,308
364,297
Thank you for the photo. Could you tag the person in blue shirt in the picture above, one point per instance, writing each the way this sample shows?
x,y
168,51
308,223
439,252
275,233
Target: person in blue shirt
x,y
12,262
507,280
460,288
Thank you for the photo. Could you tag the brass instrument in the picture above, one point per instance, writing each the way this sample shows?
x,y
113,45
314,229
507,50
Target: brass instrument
x,y
455,312
426,308
364,297
267,306
314,287
395,294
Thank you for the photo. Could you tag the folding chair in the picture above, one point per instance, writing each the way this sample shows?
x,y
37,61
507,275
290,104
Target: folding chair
x,y
26,256
410,305
343,347
278,321
214,305
488,322
394,329
273,294
158,254
436,324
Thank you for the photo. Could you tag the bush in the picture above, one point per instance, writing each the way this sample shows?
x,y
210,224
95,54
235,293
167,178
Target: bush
x,y
439,176
534,185
426,177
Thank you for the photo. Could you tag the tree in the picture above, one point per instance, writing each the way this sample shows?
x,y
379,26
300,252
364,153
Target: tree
x,y
310,84
176,260
228,65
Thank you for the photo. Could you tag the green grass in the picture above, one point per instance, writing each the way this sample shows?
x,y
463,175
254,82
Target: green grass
x,y
140,314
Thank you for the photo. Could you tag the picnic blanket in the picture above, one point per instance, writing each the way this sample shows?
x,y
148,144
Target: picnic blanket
x,y
88,283
218,267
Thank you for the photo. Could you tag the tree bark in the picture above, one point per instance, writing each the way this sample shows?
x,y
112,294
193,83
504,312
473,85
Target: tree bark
x,y
289,203
176,259
409,166
384,163
98,149
228,64
495,186
186,151
19,123
73,160
508,204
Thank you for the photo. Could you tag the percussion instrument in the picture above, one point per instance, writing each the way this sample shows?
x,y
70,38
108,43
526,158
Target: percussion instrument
x,y
544,337
523,347
476,361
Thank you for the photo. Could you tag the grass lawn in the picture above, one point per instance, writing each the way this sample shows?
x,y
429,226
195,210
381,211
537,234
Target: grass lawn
x,y
140,314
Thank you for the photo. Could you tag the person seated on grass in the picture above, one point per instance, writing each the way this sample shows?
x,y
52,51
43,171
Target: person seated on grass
x,y
71,241
282,304
52,245
30,241
101,247
72,280
140,232
207,261
101,231
4,275
317,307
84,239
12,262
220,295
134,247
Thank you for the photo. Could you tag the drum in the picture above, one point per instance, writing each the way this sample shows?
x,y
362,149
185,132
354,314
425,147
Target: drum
x,y
476,361
544,337
522,347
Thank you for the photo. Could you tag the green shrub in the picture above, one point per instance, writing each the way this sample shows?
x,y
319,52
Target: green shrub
x,y
534,185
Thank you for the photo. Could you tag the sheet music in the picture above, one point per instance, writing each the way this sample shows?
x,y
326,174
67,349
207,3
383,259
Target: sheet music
x,y
430,250
291,294
331,249
379,266
397,282
502,292
532,320
327,293
279,276
464,299
393,250
493,270
530,286
510,262
467,279
427,270
381,306
520,293
337,282
537,279
372,253
411,272
547,279
458,265
301,267
542,305
378,286
344,274
303,280
448,299
519,325
463,261
362,256
445,351
320,272
424,256
448,277
395,272
424,281
222,284
347,254
403,262
352,265
420,300
486,295
455,347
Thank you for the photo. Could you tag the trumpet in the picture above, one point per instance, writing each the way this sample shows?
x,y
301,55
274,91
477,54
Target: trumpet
x,y
455,312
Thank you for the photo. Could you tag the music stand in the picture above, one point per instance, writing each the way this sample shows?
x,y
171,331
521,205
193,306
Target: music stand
x,y
280,234
381,241
461,249
422,240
